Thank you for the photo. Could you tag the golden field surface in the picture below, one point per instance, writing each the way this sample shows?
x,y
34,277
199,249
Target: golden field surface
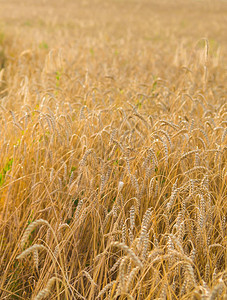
x,y
113,122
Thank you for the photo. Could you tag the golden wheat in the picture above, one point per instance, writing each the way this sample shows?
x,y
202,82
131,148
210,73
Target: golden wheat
x,y
113,150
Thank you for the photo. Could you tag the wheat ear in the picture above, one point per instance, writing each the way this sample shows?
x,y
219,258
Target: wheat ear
x,y
130,253
46,291
131,277
217,290
145,223
106,288
30,228
30,250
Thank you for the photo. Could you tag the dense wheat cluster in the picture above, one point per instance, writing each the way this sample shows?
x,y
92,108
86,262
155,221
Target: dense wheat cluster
x,y
113,121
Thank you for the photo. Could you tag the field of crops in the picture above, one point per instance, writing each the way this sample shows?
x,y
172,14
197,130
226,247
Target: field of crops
x,y
113,131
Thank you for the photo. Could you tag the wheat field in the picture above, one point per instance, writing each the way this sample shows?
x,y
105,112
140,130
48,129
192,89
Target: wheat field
x,y
113,121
